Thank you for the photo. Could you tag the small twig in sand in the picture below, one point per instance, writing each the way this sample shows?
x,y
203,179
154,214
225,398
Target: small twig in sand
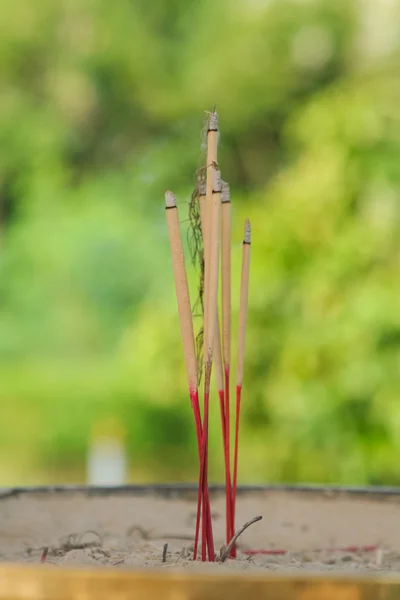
x,y
164,554
140,530
74,541
225,552
184,553
93,542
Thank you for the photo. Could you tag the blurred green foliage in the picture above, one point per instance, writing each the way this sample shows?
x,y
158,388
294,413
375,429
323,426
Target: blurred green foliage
x,y
101,109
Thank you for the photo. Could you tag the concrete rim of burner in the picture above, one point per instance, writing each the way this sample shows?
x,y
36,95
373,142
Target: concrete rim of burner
x,y
182,490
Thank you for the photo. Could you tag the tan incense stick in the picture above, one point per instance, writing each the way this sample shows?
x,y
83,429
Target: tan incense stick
x,y
182,290
244,292
213,262
210,283
226,337
226,272
217,342
212,156
186,323
217,359
211,303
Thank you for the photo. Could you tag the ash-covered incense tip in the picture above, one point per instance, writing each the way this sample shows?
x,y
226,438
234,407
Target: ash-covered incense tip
x,y
247,232
212,124
170,201
216,179
202,187
225,192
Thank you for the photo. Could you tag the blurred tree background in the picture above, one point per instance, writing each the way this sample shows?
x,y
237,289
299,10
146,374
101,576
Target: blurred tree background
x,y
101,109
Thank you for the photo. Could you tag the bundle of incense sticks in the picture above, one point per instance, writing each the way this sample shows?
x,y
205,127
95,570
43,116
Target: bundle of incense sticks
x,y
212,198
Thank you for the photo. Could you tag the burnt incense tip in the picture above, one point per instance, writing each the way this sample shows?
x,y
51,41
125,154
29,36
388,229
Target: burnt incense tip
x,y
170,201
225,192
202,187
212,124
216,179
247,232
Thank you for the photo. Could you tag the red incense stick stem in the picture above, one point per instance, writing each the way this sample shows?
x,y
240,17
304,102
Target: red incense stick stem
x,y
236,454
194,400
203,502
230,529
206,501
227,407
204,540
207,537
199,497
228,487
199,434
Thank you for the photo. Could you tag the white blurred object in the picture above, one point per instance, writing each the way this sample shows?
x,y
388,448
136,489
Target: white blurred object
x,y
106,461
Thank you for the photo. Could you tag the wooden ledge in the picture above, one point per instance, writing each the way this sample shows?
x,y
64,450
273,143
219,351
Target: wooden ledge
x,y
42,582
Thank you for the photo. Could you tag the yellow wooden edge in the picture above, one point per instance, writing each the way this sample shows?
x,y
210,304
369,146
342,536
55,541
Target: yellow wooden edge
x,y
41,582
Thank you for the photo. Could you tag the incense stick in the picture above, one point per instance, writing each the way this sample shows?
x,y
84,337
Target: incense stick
x,y
212,262
209,321
212,153
217,347
210,236
244,292
182,292
226,338
203,489
217,342
185,319
218,367
226,272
